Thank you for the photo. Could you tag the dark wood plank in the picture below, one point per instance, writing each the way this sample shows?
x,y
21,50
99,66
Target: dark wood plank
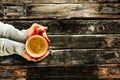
x,y
72,26
68,57
55,1
73,72
75,78
84,41
65,11
1,12
62,72
79,78
92,72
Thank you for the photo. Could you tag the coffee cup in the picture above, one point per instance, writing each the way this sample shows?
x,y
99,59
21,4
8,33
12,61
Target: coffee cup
x,y
36,45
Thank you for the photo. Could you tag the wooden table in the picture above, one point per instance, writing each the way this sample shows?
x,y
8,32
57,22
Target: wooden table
x,y
84,34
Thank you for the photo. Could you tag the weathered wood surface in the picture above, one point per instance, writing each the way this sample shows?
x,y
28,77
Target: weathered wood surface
x,y
62,72
74,27
77,41
68,57
73,57
90,72
60,11
84,37
12,73
84,41
76,72
56,1
109,71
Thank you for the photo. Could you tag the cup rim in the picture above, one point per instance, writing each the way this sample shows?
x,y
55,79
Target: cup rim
x,y
40,55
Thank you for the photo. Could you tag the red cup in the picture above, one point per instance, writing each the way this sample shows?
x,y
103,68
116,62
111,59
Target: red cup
x,y
36,45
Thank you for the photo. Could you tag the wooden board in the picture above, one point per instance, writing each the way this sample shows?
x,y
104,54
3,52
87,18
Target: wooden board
x,y
75,72
86,60
61,72
84,41
84,38
72,27
12,73
56,1
60,11
68,57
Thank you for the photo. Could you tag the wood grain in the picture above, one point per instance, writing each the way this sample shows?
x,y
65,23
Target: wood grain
x,y
84,34
57,72
84,41
109,71
68,57
55,1
67,11
71,27
75,72
62,72
12,73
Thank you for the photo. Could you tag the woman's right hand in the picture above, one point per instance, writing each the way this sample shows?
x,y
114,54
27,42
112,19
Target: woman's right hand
x,y
41,29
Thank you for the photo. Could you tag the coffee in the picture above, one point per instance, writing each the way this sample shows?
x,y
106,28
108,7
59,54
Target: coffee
x,y
36,46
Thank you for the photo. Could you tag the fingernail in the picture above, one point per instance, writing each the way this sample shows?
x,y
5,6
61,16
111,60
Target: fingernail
x,y
46,28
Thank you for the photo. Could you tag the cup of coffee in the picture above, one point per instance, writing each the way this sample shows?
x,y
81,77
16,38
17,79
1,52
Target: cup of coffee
x,y
36,45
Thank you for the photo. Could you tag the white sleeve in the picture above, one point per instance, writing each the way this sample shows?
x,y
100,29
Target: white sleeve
x,y
9,47
8,31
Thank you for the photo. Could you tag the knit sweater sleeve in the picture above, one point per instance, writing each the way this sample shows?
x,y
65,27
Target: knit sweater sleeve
x,y
10,32
9,47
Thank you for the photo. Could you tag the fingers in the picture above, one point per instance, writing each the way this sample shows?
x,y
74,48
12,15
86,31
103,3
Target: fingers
x,y
26,56
31,59
39,59
46,28
44,34
39,27
42,29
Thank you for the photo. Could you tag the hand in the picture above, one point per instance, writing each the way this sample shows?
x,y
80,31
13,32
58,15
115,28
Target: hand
x,y
41,29
26,56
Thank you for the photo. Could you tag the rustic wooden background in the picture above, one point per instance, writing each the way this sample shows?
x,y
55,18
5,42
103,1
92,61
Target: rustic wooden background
x,y
84,34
